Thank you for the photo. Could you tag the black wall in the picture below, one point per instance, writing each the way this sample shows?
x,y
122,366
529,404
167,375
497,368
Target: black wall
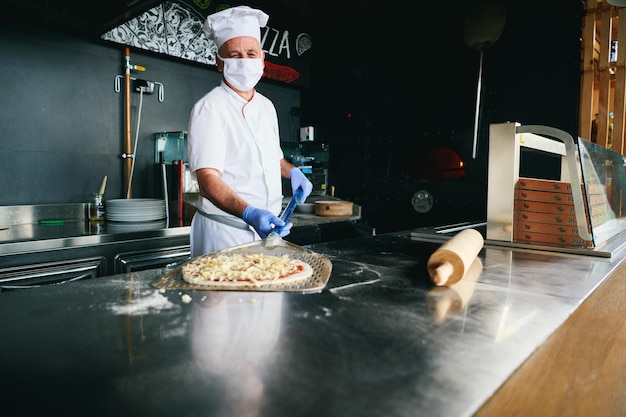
x,y
392,84
62,121
387,84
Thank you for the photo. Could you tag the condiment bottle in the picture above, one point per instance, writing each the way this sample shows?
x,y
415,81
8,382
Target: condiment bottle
x,y
96,207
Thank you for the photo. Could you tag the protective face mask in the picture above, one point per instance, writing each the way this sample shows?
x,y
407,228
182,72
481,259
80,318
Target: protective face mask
x,y
243,73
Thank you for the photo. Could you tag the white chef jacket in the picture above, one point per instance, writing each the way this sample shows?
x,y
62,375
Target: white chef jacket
x,y
241,140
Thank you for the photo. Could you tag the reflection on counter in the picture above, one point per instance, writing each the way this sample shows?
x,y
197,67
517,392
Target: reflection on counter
x,y
235,355
96,227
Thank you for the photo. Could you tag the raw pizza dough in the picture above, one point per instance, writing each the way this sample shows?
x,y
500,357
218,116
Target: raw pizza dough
x,y
243,270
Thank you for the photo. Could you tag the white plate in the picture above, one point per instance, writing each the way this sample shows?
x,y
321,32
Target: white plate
x,y
135,210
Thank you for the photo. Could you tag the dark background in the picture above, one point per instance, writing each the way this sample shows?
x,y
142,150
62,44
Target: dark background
x,y
388,85
409,81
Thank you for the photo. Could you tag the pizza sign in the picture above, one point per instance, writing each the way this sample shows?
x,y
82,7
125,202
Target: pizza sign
x,y
176,29
284,55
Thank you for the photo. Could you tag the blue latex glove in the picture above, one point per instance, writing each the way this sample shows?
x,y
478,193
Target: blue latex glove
x,y
264,221
286,230
298,179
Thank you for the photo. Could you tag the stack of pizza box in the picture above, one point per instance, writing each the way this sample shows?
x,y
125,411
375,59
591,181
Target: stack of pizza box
x,y
544,212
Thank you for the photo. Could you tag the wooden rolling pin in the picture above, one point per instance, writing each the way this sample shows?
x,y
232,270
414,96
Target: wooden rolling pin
x,y
446,301
448,264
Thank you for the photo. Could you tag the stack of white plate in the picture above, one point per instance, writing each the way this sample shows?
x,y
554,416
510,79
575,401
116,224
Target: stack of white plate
x,y
135,210
121,227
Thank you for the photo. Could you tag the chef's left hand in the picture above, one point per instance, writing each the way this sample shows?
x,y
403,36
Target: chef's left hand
x,y
298,179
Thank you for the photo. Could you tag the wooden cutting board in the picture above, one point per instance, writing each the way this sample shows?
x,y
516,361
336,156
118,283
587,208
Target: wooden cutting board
x,y
333,208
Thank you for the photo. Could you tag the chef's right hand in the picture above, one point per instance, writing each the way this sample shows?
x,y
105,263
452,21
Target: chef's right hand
x,y
263,221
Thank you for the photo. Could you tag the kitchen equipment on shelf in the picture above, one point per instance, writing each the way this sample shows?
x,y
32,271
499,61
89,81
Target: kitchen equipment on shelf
x,y
313,159
170,147
179,189
306,208
307,134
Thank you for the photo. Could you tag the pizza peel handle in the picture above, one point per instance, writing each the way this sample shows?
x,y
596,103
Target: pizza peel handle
x,y
286,214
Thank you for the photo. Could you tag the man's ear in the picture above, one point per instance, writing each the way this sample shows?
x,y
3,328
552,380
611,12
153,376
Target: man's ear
x,y
219,63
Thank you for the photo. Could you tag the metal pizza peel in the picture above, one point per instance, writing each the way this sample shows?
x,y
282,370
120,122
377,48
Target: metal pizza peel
x,y
273,245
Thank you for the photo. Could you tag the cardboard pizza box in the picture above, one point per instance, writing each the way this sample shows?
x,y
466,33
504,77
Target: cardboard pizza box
x,y
544,196
558,186
544,185
550,228
537,238
551,218
543,207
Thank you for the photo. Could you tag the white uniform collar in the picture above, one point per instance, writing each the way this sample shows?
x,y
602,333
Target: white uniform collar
x,y
234,93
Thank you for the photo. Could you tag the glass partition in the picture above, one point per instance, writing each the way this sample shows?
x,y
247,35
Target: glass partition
x,y
604,183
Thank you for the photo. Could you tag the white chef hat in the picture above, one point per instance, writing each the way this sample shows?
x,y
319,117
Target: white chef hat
x,y
233,22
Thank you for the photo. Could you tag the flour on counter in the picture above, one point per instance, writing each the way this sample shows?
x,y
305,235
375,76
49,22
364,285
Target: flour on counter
x,y
354,284
143,304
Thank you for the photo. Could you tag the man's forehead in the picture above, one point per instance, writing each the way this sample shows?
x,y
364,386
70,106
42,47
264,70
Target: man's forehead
x,y
241,43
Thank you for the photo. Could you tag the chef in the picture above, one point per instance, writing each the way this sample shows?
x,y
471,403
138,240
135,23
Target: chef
x,y
234,144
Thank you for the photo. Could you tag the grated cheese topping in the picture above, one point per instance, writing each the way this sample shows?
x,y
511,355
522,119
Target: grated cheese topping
x,y
241,267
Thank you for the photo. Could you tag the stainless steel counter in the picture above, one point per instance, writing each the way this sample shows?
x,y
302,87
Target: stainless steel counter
x,y
370,344
71,230
31,229
47,244
35,237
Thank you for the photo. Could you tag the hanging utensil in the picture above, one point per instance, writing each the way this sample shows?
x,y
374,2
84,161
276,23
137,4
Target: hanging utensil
x,y
103,186
481,30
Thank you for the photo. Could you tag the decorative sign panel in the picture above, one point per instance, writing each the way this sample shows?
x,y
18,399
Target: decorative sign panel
x,y
175,29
